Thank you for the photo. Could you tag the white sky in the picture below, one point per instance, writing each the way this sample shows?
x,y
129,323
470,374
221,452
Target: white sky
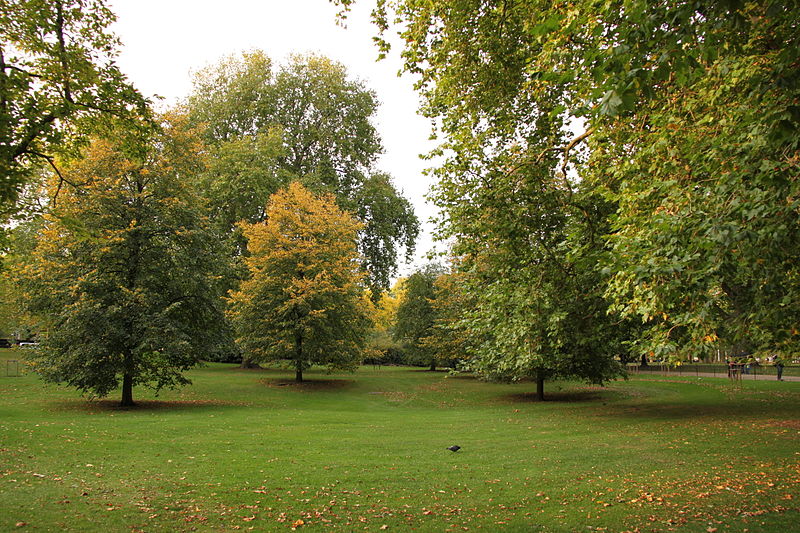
x,y
164,41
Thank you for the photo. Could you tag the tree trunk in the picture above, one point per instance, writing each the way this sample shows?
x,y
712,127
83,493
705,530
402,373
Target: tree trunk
x,y
540,387
247,363
127,391
298,352
433,366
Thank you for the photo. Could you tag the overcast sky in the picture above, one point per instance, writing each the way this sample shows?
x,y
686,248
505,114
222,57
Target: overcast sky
x,y
164,41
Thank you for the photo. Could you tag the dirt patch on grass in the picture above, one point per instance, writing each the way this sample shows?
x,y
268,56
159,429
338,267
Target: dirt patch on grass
x,y
393,396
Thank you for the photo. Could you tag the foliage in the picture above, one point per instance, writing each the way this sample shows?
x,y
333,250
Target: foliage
x,y
385,316
58,83
529,272
386,349
305,121
123,272
449,341
687,113
415,312
303,301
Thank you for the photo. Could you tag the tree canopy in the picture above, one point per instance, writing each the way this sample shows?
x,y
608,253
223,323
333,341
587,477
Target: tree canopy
x,y
124,275
416,314
58,83
304,121
662,138
304,300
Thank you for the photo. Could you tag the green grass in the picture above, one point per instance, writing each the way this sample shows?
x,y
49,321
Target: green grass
x,y
366,452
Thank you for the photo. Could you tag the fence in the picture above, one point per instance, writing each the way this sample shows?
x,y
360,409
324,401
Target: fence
x,y
751,371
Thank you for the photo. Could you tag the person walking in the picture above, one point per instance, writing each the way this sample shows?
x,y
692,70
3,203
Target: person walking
x,y
779,367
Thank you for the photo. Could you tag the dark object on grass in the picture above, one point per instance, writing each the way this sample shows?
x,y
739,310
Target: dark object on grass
x,y
454,448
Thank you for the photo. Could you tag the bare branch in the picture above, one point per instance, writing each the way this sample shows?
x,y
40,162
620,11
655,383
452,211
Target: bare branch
x,y
61,178
26,72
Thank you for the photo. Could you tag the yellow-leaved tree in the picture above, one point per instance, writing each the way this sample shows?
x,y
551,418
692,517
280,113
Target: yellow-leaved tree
x,y
303,300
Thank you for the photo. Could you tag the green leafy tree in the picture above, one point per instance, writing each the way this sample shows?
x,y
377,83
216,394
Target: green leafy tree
x,y
58,83
681,115
449,341
123,275
416,314
304,301
305,121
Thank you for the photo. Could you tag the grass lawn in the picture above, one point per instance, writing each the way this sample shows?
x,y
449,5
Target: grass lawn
x,y
250,450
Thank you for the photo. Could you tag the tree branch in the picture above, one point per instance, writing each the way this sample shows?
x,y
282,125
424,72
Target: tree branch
x,y
61,178
62,50
574,142
565,152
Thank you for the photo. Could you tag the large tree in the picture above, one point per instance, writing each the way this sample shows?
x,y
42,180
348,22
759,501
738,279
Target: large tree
x,y
124,272
304,121
304,301
58,83
688,112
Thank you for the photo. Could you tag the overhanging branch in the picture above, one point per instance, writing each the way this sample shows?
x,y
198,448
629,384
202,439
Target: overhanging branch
x,y
61,179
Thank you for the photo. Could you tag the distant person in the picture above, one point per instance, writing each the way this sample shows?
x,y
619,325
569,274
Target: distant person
x,y
779,368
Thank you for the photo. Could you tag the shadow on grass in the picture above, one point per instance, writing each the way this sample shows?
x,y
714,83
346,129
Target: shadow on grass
x,y
309,385
106,405
570,396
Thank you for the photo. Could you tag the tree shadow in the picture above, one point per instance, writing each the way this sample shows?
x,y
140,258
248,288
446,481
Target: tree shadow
x,y
111,406
568,396
308,385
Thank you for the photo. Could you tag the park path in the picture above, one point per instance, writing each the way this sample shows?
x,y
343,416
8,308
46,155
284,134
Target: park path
x,y
689,373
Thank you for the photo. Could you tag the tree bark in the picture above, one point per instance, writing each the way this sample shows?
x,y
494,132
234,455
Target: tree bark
x,y
540,387
433,366
127,391
298,362
247,363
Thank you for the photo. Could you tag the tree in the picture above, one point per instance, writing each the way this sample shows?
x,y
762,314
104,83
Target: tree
x,y
385,348
415,313
686,113
306,121
58,83
529,272
304,299
449,341
124,273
